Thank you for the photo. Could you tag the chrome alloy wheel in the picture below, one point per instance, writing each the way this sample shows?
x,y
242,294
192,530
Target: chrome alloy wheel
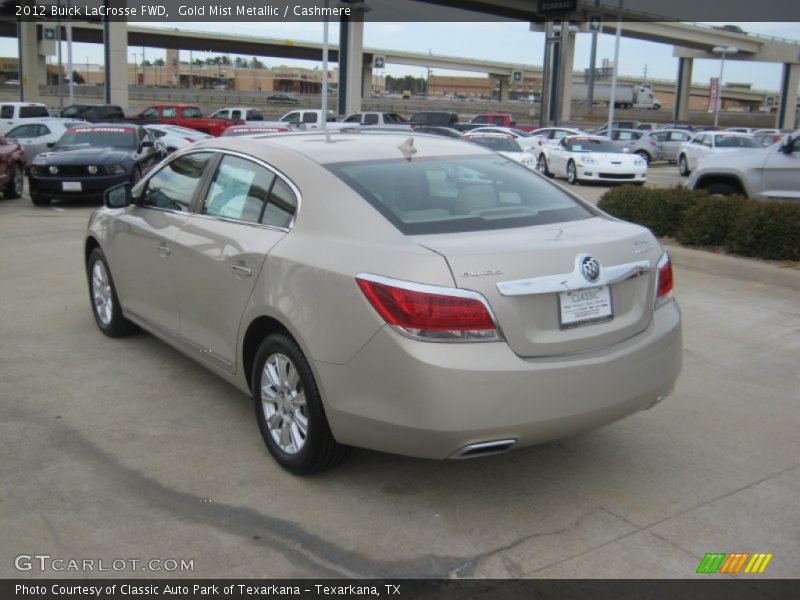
x,y
284,403
101,293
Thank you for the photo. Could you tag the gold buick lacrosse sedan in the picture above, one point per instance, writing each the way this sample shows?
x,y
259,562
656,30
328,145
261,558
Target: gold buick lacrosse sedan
x,y
416,295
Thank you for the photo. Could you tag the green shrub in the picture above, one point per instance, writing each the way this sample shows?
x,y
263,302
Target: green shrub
x,y
761,229
660,210
769,230
709,221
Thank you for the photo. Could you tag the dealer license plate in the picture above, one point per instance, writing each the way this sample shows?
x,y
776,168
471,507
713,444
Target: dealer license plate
x,y
71,186
582,307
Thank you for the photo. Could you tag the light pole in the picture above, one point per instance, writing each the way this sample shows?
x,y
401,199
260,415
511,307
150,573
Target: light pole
x,y
723,51
135,69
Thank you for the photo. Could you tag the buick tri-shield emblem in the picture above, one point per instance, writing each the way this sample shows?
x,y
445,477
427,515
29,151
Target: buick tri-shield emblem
x,y
590,268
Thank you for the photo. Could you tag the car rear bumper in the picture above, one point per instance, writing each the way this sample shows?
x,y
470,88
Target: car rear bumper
x,y
432,400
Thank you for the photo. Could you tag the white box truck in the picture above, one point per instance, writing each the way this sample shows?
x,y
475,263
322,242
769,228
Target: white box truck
x,y
627,95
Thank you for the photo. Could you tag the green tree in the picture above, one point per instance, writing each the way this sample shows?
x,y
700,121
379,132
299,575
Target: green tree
x,y
77,78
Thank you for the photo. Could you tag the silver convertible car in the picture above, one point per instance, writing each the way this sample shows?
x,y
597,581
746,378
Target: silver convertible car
x,y
415,295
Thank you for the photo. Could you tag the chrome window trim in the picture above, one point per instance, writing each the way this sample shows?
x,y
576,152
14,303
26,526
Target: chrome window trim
x,y
566,282
271,169
437,289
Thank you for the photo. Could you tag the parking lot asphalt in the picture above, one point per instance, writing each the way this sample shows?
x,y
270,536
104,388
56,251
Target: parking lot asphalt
x,y
128,449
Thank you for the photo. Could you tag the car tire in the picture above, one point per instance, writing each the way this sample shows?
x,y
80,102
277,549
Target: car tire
x,y
39,200
644,154
287,400
572,173
683,165
541,166
103,297
13,189
721,188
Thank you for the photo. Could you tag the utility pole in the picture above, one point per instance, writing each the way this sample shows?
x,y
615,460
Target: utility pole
x,y
60,63
69,59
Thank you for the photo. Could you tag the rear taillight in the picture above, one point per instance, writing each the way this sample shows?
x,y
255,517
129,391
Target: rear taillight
x,y
664,281
430,313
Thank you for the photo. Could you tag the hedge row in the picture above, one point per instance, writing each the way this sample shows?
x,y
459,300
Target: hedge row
x,y
761,229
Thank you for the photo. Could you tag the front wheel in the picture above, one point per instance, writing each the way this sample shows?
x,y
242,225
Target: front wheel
x,y
289,409
643,155
13,189
683,166
572,173
103,295
541,166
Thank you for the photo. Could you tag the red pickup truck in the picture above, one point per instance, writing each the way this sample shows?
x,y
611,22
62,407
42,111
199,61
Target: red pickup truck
x,y
186,115
499,119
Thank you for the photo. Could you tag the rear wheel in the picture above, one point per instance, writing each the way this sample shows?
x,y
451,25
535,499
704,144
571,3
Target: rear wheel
x,y
541,166
572,173
289,409
683,165
13,189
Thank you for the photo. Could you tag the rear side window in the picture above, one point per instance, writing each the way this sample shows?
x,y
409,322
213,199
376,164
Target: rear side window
x,y
33,112
239,191
371,119
457,194
282,206
169,113
309,117
7,112
174,186
192,112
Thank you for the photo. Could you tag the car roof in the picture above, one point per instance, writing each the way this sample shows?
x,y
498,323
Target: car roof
x,y
346,146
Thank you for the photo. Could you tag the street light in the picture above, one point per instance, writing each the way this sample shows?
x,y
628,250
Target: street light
x,y
723,51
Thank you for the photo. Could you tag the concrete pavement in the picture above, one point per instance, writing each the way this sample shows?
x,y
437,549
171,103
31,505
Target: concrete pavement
x,y
127,449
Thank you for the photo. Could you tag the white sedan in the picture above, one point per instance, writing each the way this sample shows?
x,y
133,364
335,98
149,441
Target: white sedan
x,y
503,144
707,143
591,158
173,137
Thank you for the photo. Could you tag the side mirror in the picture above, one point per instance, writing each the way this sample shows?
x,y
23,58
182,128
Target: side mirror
x,y
50,144
118,196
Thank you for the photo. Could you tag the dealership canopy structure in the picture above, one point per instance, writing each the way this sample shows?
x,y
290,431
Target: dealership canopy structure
x,y
690,42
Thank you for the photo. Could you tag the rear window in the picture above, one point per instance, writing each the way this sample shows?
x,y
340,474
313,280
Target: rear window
x,y
735,141
457,194
33,112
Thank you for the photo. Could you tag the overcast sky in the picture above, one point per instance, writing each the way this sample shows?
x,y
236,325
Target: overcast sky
x,y
508,42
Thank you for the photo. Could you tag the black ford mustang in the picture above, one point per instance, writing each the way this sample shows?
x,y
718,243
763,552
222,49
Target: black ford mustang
x,y
89,159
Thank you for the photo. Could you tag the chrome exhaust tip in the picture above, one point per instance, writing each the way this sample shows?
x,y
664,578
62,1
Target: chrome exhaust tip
x,y
483,449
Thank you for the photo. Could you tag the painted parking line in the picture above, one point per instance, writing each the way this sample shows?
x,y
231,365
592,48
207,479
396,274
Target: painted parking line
x,y
58,209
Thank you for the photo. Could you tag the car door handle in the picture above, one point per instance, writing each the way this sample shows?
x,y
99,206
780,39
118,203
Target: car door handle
x,y
163,250
241,270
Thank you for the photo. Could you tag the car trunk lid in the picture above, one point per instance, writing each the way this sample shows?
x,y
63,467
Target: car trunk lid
x,y
534,264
